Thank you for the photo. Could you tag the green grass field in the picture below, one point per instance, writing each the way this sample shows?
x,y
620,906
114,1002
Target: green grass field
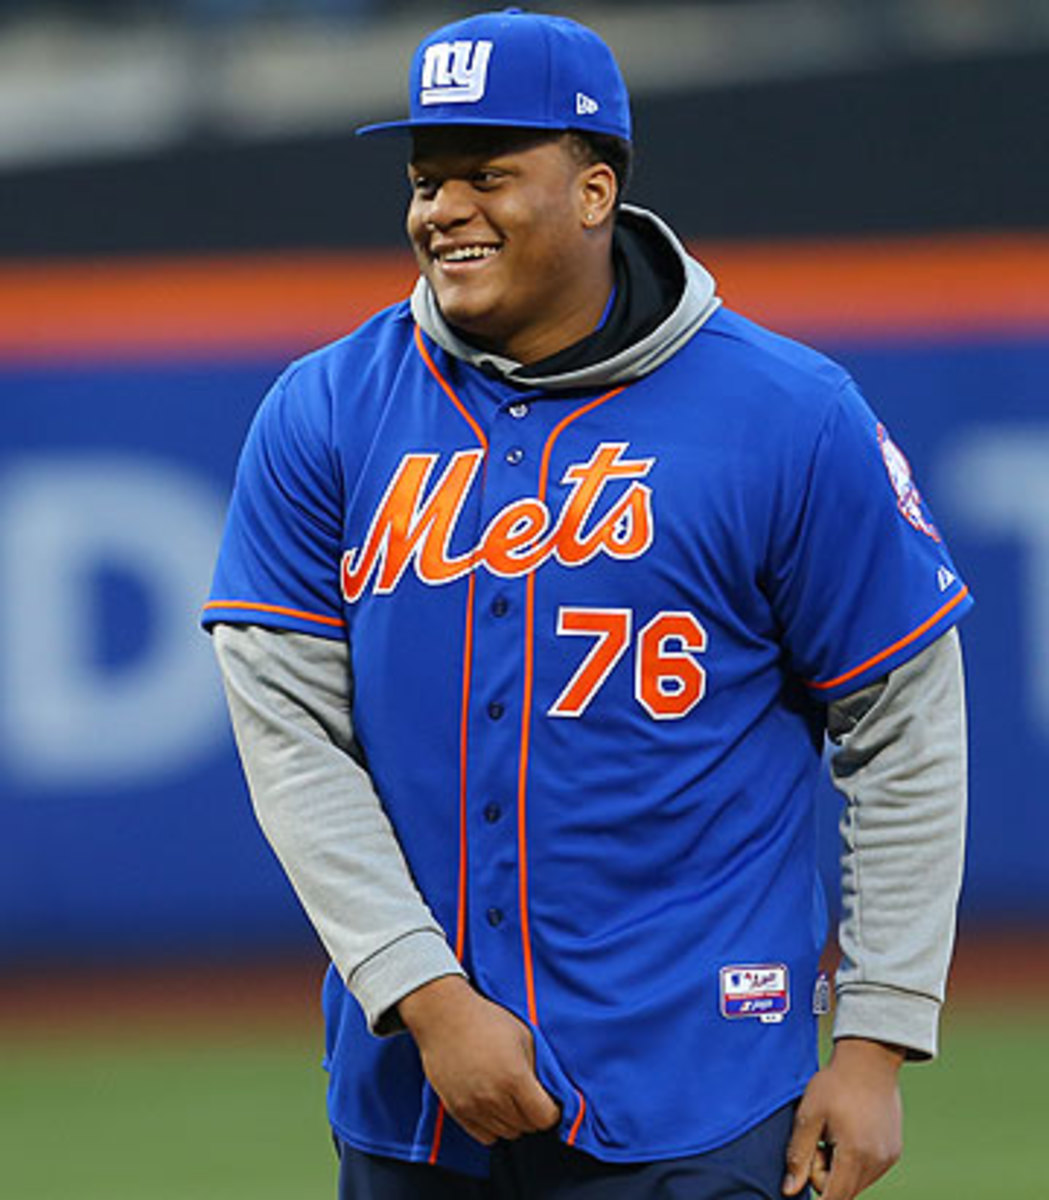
x,y
135,1119
108,1118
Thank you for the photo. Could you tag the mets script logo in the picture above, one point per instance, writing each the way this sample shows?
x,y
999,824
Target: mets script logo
x,y
908,498
414,523
455,72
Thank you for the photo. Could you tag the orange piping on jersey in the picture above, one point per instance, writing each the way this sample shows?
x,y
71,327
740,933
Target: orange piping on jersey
x,y
464,717
526,710
573,1133
446,387
464,725
889,651
337,622
438,1129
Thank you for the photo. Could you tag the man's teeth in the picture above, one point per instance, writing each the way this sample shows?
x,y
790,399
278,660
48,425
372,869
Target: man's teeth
x,y
462,253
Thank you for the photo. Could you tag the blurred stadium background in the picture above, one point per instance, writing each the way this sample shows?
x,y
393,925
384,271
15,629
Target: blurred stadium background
x,y
183,207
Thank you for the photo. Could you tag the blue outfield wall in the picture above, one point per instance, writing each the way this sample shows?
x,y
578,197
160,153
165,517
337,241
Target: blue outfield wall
x,y
127,832
127,829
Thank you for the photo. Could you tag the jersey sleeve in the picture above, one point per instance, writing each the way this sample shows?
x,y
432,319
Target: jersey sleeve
x,y
278,564
862,579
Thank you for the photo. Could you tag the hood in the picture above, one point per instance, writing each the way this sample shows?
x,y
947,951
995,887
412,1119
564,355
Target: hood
x,y
663,297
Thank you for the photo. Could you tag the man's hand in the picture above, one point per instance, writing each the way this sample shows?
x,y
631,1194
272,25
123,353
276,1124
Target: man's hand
x,y
848,1130
480,1060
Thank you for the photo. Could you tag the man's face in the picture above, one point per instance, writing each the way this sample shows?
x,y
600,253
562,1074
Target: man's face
x,y
497,220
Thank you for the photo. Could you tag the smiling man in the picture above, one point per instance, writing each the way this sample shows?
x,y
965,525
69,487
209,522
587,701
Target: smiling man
x,y
538,597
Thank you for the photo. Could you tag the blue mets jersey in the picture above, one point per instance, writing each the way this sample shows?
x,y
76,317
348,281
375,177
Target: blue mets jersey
x,y
592,639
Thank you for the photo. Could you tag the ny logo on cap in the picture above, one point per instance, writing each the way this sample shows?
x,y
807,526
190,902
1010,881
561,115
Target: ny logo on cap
x,y
455,72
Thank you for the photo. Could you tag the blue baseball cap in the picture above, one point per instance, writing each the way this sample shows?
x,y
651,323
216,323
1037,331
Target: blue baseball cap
x,y
515,68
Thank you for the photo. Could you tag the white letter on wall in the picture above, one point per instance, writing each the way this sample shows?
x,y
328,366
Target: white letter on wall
x,y
64,720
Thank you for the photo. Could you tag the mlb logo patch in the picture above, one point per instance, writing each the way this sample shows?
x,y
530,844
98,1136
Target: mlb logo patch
x,y
760,990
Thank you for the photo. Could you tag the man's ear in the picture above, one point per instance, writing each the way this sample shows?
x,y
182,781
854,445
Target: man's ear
x,y
597,193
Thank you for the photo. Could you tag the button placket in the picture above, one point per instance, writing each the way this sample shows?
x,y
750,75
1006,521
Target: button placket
x,y
514,452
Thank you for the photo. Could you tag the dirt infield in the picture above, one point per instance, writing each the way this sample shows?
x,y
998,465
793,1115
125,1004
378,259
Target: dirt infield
x,y
227,1000
1002,968
998,970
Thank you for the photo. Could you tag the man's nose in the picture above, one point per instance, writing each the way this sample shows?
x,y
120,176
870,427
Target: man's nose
x,y
451,204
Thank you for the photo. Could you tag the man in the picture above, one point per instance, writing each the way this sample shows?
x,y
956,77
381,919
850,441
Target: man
x,y
538,595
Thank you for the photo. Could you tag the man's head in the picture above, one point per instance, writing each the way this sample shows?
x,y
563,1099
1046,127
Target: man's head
x,y
521,149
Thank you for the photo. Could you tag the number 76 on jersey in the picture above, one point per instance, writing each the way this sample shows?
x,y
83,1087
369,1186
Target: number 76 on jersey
x,y
669,680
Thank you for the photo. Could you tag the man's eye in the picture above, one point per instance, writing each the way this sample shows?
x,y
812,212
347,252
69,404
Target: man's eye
x,y
422,185
485,179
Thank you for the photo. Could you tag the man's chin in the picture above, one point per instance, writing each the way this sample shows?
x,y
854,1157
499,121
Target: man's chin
x,y
472,323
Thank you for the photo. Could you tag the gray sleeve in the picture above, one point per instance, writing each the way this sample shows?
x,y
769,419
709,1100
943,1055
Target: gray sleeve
x,y
288,697
900,762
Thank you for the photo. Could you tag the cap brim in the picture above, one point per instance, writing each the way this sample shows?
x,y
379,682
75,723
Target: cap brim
x,y
407,125
383,127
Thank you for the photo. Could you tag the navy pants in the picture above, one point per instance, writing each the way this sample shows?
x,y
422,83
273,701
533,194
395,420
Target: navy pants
x,y
541,1167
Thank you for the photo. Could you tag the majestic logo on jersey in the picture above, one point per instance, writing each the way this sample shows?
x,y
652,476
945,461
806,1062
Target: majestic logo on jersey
x,y
455,72
414,523
908,498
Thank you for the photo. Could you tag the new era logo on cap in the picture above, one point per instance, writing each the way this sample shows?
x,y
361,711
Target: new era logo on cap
x,y
585,106
455,72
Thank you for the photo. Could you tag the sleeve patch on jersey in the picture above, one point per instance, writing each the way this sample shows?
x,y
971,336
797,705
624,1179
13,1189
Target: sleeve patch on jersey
x,y
908,498
759,990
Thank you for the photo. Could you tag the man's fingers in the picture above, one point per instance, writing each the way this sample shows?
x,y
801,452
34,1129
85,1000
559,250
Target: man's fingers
x,y
520,1106
801,1150
489,1124
480,1059
820,1170
537,1108
479,1133
851,1172
846,1178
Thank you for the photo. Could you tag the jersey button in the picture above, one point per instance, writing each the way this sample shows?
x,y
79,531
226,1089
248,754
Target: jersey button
x,y
500,606
514,455
496,710
492,813
495,917
517,411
